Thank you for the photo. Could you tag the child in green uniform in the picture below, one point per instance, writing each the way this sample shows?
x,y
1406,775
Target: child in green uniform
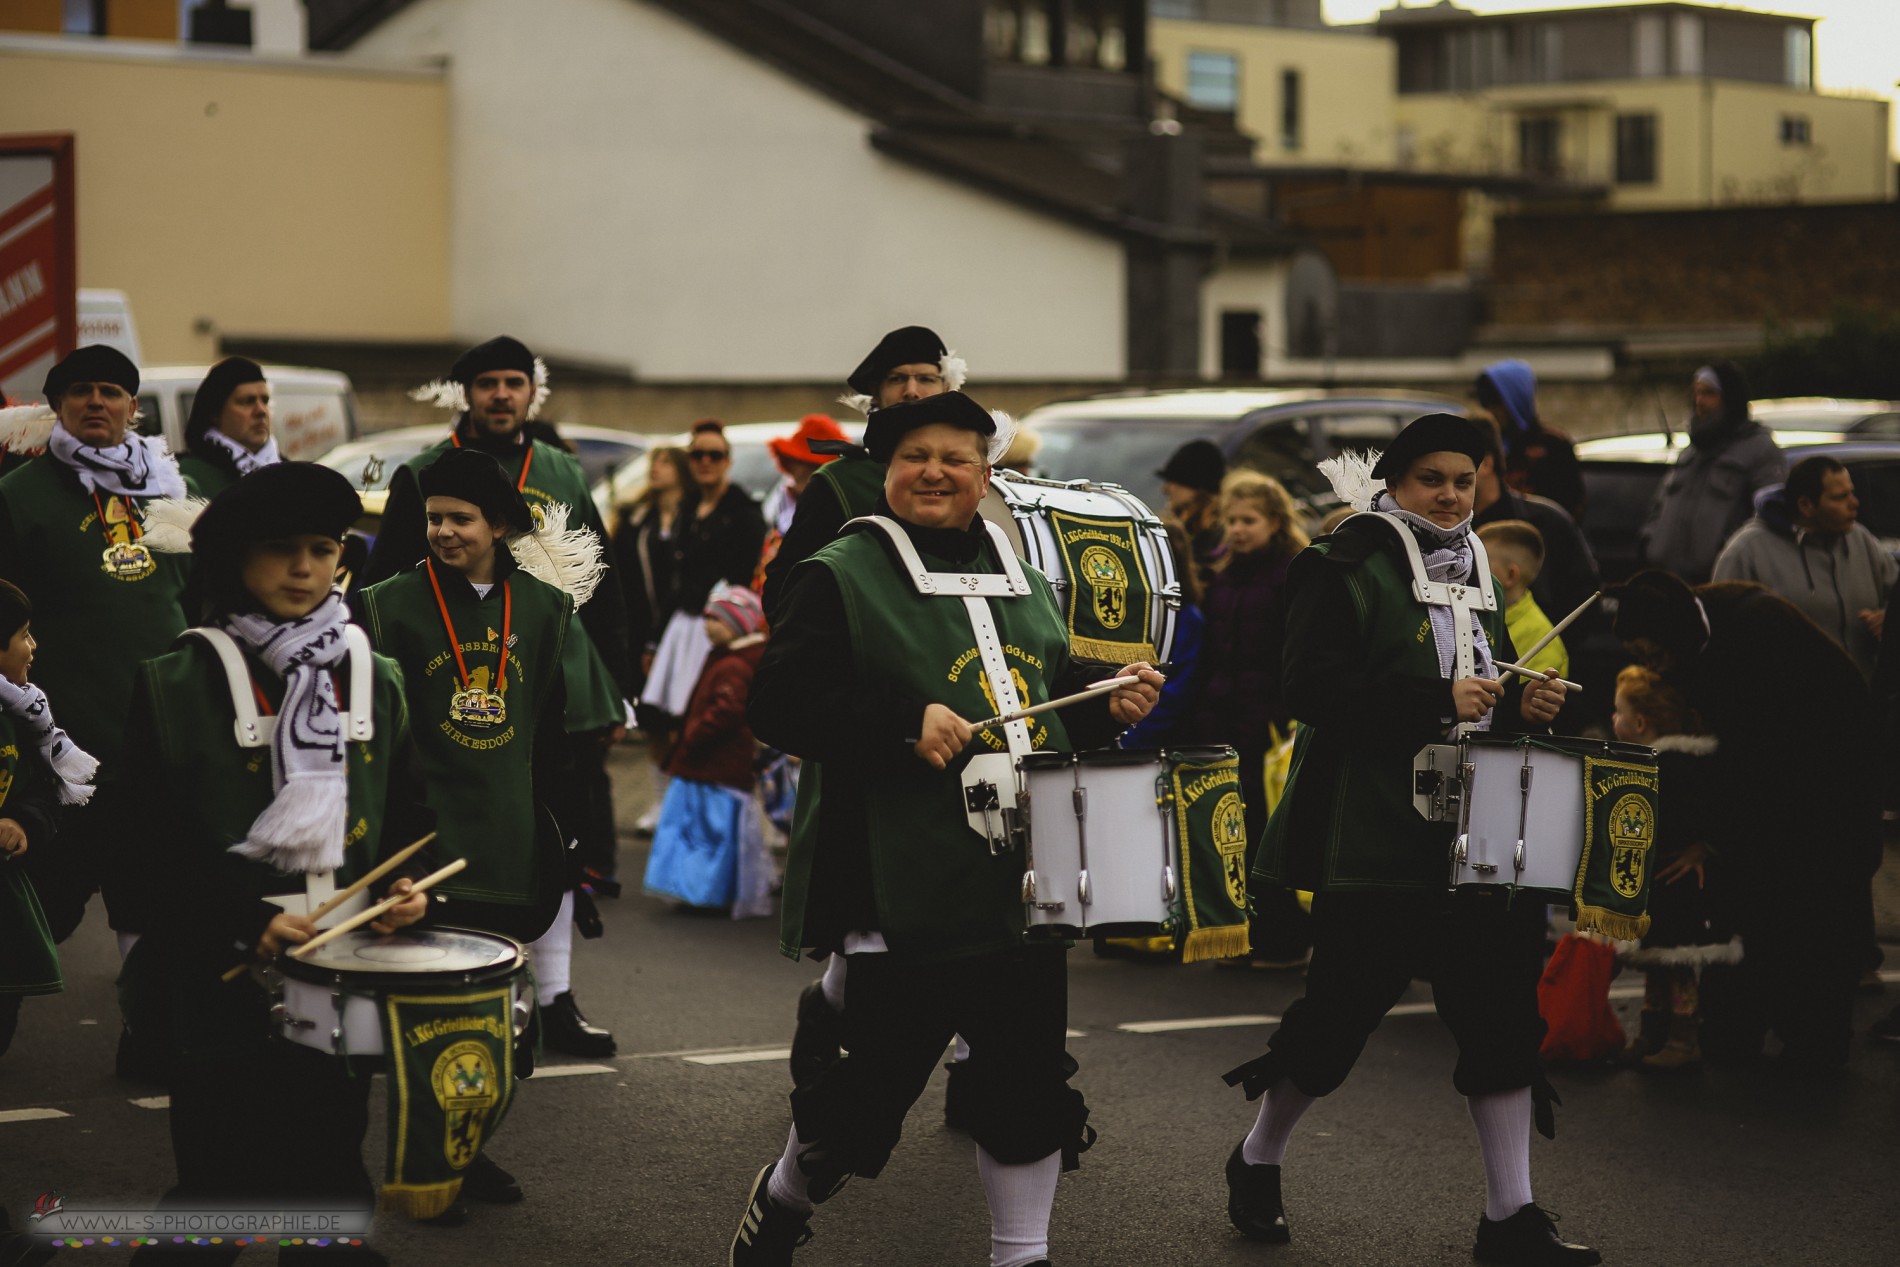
x,y
227,832
40,768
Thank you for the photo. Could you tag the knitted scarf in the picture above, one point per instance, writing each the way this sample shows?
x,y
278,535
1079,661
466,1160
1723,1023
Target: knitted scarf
x,y
242,458
302,829
136,467
73,765
1448,558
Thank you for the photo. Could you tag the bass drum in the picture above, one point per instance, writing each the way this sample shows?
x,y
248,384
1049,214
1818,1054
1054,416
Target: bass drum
x,y
1107,556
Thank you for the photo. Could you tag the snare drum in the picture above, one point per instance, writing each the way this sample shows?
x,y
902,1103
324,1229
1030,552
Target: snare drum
x,y
1105,554
1100,852
331,1001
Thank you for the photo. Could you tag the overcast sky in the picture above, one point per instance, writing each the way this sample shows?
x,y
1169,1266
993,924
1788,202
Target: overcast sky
x,y
1856,43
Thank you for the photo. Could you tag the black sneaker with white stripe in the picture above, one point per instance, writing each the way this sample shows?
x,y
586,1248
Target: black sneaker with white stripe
x,y
769,1232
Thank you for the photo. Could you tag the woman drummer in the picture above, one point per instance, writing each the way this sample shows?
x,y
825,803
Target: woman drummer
x,y
229,833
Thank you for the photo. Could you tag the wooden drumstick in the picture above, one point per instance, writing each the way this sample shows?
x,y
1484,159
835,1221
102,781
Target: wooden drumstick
x,y
1088,692
1556,629
1533,673
362,917
343,895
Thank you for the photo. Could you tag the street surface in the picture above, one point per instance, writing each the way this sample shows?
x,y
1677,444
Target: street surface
x,y
645,1159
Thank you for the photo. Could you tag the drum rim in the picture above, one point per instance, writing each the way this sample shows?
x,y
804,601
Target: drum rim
x,y
1570,745
317,974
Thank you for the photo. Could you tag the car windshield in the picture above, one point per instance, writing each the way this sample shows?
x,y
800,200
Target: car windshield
x,y
370,462
1116,451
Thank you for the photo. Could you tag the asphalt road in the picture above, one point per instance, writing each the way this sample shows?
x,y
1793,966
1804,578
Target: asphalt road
x,y
645,1159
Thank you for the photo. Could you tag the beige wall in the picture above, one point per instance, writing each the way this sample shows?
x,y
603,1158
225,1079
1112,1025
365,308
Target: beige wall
x,y
1846,160
1347,84
247,196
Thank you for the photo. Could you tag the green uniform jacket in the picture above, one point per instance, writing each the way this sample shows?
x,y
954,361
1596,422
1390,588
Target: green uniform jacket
x,y
482,781
93,628
208,478
1362,681
193,793
29,964
856,479
940,892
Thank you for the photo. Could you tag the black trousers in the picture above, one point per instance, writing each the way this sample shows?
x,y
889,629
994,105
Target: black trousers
x,y
282,1127
594,821
1012,1007
1482,952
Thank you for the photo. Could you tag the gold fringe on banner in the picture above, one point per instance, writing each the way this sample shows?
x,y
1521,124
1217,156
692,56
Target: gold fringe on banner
x,y
419,1200
1594,919
1110,652
1216,943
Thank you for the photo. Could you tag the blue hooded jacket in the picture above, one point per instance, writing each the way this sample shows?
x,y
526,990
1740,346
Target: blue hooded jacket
x,y
1517,388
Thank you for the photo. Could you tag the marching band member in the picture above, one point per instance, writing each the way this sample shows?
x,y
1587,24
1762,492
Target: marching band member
x,y
222,828
228,434
1371,676
872,682
479,638
498,389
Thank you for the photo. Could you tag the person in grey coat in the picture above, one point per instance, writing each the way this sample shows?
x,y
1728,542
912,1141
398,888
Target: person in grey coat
x,y
1807,544
1711,491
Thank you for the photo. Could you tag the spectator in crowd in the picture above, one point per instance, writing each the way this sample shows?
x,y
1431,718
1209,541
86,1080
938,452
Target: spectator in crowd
x,y
1517,556
797,462
1807,544
1538,459
1020,457
1190,483
1796,728
643,559
1711,491
1569,574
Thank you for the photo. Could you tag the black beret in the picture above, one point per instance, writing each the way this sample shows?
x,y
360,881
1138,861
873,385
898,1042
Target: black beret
x,y
1198,464
889,426
94,363
1659,606
225,377
474,476
284,499
911,345
1433,433
499,353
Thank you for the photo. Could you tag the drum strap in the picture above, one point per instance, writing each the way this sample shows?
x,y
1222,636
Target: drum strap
x,y
1010,583
1465,601
253,730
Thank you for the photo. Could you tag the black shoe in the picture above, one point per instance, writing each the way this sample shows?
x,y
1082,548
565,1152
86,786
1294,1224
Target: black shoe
x,y
956,1098
1253,1200
565,1030
768,1232
815,1043
1529,1239
486,1182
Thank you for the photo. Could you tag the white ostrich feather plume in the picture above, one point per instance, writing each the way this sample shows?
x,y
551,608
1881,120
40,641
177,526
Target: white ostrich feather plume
x,y
1004,437
443,393
1351,477
857,401
956,371
25,427
541,389
168,523
569,559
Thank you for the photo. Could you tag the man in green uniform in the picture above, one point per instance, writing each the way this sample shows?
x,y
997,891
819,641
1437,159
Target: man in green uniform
x,y
499,387
870,680
70,529
228,434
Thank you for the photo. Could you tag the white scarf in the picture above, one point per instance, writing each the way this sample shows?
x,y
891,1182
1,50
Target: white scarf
x,y
137,467
1448,557
73,765
302,828
246,460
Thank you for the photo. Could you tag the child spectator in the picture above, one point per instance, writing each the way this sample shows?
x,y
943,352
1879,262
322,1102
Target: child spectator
x,y
1517,556
709,848
1687,929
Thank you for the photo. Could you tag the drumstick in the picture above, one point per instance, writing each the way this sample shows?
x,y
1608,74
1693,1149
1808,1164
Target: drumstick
x,y
362,917
343,895
1558,628
1088,692
1533,673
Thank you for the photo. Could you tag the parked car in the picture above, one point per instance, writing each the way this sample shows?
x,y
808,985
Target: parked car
x,y
753,467
1125,438
371,461
1862,419
1621,474
312,411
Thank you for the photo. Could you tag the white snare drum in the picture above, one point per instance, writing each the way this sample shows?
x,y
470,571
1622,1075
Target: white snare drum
x,y
332,1000
1127,582
1100,842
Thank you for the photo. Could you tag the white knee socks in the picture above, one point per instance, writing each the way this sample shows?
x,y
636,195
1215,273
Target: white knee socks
x,y
787,1184
832,983
1021,1199
1503,1119
552,955
1280,1111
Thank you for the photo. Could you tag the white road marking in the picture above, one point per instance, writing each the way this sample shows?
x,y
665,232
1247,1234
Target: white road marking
x,y
1195,1022
152,1102
570,1071
30,1115
741,1057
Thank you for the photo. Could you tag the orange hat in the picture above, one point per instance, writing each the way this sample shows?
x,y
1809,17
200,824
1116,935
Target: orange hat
x,y
797,446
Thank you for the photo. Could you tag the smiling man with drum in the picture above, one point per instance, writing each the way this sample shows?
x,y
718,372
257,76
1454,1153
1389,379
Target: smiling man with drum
x,y
889,639
1372,675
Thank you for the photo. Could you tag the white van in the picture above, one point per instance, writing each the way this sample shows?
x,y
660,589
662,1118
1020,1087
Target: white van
x,y
312,411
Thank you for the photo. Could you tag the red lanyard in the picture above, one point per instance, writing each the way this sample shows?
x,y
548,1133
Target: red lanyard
x,y
131,520
455,644
526,462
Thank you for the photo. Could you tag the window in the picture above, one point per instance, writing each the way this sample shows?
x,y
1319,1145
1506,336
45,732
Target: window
x,y
1547,53
1635,149
1289,109
1540,146
82,17
1799,47
1240,343
1213,80
150,421
1646,52
1794,130
1688,43
1017,31
1095,36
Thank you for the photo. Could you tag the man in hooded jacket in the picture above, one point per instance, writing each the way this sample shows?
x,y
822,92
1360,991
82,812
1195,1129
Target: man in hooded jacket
x,y
1711,490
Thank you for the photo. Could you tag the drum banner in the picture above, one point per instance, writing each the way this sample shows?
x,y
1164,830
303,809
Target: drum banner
x,y
451,1079
1211,844
1110,592
1620,801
